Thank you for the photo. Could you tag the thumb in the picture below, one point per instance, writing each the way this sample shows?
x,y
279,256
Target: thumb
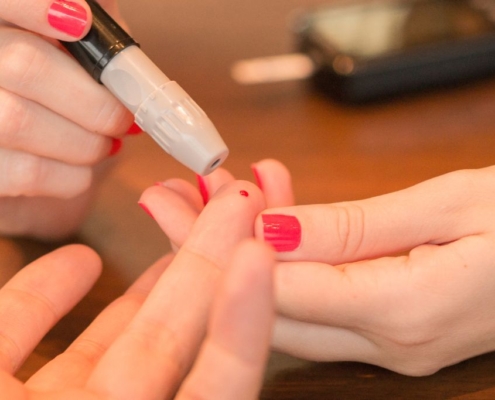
x,y
66,20
436,211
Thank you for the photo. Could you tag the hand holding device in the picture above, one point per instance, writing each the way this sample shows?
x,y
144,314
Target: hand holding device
x,y
57,125
160,106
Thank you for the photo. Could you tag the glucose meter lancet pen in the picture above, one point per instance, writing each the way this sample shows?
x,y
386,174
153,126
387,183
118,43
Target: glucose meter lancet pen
x,y
160,106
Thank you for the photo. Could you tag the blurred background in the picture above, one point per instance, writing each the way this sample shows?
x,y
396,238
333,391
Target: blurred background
x,y
335,151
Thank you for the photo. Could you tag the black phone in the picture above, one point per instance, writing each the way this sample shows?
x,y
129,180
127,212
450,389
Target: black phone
x,y
373,50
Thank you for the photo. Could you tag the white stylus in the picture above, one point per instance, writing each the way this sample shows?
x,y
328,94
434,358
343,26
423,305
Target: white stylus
x,y
160,106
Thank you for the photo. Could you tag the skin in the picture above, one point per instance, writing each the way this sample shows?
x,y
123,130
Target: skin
x,y
143,346
51,153
404,280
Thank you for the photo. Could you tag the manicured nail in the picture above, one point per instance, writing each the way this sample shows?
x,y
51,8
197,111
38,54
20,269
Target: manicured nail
x,y
116,146
283,232
257,176
146,209
68,17
134,129
203,189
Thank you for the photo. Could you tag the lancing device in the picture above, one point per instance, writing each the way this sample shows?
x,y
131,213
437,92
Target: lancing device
x,y
160,106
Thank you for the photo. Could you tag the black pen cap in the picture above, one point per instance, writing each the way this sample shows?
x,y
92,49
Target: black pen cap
x,y
104,41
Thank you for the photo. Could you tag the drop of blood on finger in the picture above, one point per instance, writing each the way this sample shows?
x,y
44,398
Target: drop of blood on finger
x,y
244,193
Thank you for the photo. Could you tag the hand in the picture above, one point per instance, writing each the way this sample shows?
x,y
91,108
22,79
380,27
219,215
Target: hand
x,y
142,345
56,123
404,281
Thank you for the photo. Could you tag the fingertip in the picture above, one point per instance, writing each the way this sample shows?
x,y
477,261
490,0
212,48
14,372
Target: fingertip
x,y
83,255
70,19
275,180
239,193
171,210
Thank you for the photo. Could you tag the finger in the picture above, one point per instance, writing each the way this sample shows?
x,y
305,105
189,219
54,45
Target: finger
x,y
437,211
72,368
180,217
184,211
210,184
23,174
34,69
391,299
232,358
60,19
29,127
322,342
187,191
38,296
168,329
274,180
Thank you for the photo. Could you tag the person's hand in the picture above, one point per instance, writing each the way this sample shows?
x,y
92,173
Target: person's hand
x,y
404,281
143,345
56,123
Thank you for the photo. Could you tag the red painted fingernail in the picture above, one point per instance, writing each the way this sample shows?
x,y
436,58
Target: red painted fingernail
x,y
134,129
68,17
116,146
257,176
146,209
203,189
283,232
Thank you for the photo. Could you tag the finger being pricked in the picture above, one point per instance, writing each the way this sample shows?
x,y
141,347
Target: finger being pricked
x,y
437,211
158,347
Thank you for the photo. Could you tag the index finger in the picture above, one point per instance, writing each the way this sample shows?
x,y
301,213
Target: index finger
x,y
66,20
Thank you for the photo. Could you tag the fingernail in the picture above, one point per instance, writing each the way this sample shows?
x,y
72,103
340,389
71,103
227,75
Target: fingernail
x,y
283,232
203,189
116,146
68,17
134,129
257,176
146,209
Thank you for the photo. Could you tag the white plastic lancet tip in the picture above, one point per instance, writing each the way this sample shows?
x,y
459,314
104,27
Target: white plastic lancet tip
x,y
165,111
182,129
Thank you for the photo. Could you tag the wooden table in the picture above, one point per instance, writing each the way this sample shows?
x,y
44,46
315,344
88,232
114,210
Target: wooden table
x,y
335,153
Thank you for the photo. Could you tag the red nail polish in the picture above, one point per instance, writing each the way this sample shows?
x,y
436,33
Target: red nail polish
x,y
68,17
257,176
244,193
134,129
116,146
203,189
283,232
146,209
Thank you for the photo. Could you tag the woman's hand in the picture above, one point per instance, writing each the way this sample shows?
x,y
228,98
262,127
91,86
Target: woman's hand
x,y
143,345
56,123
405,280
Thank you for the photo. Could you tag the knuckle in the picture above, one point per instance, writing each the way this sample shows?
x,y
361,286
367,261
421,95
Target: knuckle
x,y
350,224
13,119
462,184
23,172
111,119
22,60
92,150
